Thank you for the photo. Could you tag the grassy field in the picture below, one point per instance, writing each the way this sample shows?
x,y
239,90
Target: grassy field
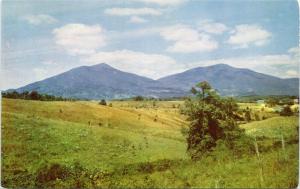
x,y
133,144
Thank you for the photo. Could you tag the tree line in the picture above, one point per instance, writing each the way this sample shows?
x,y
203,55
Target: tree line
x,y
34,95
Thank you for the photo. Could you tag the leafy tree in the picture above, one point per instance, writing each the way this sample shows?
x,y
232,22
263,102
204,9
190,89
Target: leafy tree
x,y
154,104
212,119
271,101
248,114
138,98
34,95
102,102
24,95
286,111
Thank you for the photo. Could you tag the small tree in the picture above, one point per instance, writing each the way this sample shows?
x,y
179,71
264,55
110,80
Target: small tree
x,y
102,102
271,101
138,98
211,119
286,111
34,95
248,114
154,104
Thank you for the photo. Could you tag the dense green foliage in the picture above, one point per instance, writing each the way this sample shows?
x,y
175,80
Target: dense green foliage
x,y
213,120
247,114
33,95
102,102
138,98
286,111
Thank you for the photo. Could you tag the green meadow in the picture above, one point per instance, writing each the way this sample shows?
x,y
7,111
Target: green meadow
x,y
129,144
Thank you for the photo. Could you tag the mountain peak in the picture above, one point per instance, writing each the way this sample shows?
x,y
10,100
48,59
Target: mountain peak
x,y
102,65
103,81
221,65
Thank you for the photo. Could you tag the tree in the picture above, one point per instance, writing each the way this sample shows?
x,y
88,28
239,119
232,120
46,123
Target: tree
x,y
102,102
25,95
286,111
248,114
211,119
271,101
34,95
138,98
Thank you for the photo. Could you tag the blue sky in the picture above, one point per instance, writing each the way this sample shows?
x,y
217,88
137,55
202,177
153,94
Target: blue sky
x,y
152,38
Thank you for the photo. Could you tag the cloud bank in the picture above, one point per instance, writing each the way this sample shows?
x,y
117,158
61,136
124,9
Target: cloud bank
x,y
79,38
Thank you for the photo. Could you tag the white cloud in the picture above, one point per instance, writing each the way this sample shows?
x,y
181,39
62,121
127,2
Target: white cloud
x,y
292,73
188,40
148,65
245,35
295,51
137,20
40,19
136,33
49,62
212,27
132,11
79,38
163,2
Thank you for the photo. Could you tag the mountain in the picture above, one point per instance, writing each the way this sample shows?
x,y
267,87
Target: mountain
x,y
233,81
99,81
103,81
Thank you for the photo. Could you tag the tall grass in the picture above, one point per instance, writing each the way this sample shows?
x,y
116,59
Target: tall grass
x,y
86,145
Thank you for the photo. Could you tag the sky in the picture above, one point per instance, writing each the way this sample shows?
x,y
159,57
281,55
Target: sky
x,y
151,38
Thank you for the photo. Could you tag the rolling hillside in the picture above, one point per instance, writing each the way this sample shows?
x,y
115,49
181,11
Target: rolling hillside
x,y
130,145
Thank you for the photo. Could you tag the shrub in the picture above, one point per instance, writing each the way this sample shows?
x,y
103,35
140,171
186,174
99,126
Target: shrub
x,y
51,172
248,114
286,111
138,98
257,118
102,102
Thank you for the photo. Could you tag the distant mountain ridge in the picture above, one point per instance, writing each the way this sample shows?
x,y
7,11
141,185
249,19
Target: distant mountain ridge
x,y
103,81
100,81
233,81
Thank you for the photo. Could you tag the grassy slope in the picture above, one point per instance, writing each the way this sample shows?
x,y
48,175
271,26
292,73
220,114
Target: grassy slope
x,y
273,127
121,138
109,138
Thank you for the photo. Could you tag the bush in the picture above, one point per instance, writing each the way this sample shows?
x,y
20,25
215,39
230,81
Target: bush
x,y
257,118
102,102
248,114
138,98
51,172
286,111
